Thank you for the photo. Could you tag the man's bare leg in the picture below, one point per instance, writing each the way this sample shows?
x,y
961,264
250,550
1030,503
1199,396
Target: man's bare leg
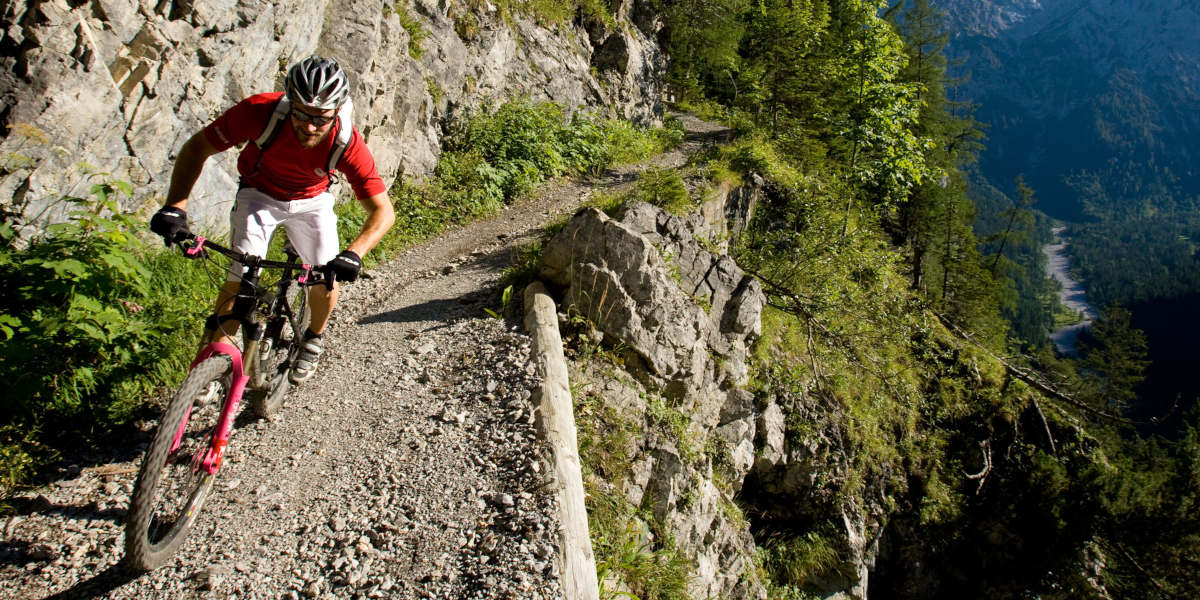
x,y
227,333
320,303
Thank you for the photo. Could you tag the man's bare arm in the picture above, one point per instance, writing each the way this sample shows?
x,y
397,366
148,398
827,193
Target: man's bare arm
x,y
187,169
380,217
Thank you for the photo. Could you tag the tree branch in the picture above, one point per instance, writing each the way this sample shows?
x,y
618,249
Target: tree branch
x,y
985,448
1033,381
1129,558
1045,424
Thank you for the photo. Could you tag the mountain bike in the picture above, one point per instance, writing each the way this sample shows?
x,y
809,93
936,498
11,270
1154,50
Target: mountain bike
x,y
183,458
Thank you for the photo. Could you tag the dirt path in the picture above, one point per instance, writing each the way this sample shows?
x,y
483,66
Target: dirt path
x,y
409,468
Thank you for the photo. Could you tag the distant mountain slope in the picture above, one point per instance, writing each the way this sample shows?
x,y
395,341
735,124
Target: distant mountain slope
x,y
1095,101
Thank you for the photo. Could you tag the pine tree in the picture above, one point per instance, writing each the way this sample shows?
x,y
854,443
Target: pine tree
x,y
1018,223
1114,361
702,38
782,50
925,39
934,222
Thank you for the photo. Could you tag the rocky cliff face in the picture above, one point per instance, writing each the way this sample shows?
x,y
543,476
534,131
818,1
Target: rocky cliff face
x,y
682,317
1157,40
663,322
116,86
990,17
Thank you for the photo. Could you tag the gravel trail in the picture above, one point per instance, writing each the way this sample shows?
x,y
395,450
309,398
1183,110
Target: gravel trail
x,y
409,467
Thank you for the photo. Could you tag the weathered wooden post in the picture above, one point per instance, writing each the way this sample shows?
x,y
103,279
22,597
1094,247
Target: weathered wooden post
x,y
577,565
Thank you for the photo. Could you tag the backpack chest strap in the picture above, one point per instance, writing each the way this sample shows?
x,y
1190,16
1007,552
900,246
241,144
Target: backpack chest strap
x,y
344,133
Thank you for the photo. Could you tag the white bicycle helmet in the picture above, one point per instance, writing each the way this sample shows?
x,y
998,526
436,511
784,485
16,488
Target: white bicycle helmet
x,y
318,82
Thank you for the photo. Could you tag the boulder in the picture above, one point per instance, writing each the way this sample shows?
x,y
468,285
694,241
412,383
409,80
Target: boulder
x,y
733,301
617,280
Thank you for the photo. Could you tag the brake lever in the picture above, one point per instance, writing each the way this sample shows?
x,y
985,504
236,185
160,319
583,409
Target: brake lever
x,y
306,272
196,250
310,275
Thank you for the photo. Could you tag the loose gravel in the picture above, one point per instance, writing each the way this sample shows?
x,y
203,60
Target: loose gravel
x,y
409,467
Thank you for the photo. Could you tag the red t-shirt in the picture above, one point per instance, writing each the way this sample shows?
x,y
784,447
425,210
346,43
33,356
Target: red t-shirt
x,y
289,171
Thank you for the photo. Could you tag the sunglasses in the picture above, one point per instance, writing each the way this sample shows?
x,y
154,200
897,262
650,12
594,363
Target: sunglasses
x,y
318,120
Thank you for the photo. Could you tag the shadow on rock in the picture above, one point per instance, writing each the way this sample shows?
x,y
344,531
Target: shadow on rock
x,y
89,511
101,584
444,311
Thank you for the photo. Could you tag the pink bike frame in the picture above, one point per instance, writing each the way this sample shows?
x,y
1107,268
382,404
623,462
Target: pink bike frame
x,y
211,460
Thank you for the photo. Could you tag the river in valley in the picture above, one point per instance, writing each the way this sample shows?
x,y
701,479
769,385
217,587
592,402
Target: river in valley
x,y
1071,295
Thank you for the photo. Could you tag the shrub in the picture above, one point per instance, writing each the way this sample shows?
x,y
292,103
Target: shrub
x,y
17,460
496,156
416,33
89,329
664,188
671,134
633,551
797,560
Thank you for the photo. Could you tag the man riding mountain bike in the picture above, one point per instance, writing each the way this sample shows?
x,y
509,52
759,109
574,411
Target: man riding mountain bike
x,y
296,139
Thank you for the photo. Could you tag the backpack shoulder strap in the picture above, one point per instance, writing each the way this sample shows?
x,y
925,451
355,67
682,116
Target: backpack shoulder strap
x,y
274,124
344,133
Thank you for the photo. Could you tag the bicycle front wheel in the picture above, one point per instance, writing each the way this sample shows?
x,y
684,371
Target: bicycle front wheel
x,y
171,486
277,352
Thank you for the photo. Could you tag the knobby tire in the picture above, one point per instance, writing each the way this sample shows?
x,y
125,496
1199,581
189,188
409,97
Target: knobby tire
x,y
170,492
271,382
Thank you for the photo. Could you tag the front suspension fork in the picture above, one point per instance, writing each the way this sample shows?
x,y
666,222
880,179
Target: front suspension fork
x,y
210,459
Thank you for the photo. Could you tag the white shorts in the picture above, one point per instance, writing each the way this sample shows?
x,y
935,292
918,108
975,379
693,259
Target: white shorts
x,y
310,223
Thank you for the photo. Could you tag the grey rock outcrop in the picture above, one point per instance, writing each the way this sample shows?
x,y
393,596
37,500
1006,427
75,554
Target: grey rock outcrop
x,y
804,473
645,281
681,316
680,487
686,317
120,84
772,441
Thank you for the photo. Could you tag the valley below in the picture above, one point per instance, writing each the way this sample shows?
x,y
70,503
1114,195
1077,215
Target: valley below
x,y
1070,295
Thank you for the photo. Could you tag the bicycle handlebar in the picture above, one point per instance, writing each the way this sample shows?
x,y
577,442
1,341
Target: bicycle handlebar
x,y
309,274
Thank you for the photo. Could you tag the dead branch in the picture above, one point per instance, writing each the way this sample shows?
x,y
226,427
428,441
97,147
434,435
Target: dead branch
x,y
985,448
799,305
1030,379
1129,558
1045,424
812,358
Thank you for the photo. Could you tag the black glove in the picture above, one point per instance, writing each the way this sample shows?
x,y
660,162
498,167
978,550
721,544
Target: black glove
x,y
345,266
170,223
